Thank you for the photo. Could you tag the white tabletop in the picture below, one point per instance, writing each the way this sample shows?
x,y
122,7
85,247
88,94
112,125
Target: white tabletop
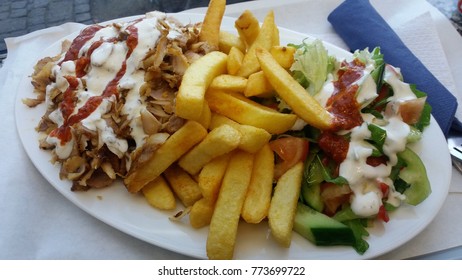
x,y
37,222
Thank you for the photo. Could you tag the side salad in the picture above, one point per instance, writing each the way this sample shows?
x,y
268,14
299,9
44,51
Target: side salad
x,y
362,169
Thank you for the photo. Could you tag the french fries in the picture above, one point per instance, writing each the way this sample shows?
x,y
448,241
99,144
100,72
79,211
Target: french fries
x,y
303,104
283,205
225,219
284,55
264,40
201,213
211,176
229,82
205,116
183,185
247,27
235,58
209,181
219,164
159,195
210,30
197,78
174,147
228,41
219,141
252,138
257,200
245,111
258,85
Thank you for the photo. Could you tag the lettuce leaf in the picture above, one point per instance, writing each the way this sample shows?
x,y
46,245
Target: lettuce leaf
x,y
311,65
375,57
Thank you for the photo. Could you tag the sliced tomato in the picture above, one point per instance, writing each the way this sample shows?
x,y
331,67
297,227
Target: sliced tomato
x,y
376,161
411,110
334,196
383,215
385,189
290,150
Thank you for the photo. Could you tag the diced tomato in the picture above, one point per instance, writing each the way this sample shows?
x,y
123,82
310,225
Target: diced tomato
x,y
384,188
290,151
411,110
383,215
334,196
376,161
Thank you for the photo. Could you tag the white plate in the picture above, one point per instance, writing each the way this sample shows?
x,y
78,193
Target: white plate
x,y
132,215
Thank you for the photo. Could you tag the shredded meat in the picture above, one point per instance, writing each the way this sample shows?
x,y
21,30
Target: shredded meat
x,y
92,164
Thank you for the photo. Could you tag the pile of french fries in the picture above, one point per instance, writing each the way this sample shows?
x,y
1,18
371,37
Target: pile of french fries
x,y
219,164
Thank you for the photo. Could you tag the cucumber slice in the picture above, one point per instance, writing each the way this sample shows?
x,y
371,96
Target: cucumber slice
x,y
345,214
311,185
321,229
415,175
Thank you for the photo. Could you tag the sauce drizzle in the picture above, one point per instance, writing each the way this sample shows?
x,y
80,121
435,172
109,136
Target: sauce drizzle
x,y
343,103
67,106
79,41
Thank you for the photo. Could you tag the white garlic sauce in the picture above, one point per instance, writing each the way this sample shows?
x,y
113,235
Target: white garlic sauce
x,y
364,179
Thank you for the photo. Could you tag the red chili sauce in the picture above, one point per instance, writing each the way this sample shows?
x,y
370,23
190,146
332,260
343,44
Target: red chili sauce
x,y
68,104
79,41
346,110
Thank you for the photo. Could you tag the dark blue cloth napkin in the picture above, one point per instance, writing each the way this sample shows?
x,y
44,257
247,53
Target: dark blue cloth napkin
x,y
360,26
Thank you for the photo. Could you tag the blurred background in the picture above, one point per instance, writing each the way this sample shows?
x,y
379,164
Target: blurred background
x,y
19,17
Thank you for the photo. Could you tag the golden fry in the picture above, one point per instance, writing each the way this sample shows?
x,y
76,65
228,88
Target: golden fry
x,y
247,27
301,102
253,138
283,205
258,198
183,185
235,58
284,55
174,147
258,85
219,141
210,30
209,180
264,40
225,219
211,175
197,78
245,111
229,82
228,41
159,195
201,213
276,39
205,116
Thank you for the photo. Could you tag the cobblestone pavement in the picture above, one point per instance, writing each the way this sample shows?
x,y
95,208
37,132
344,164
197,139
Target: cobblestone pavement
x,y
24,16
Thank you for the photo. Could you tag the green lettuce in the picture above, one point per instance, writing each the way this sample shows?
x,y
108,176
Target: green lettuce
x,y
311,65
